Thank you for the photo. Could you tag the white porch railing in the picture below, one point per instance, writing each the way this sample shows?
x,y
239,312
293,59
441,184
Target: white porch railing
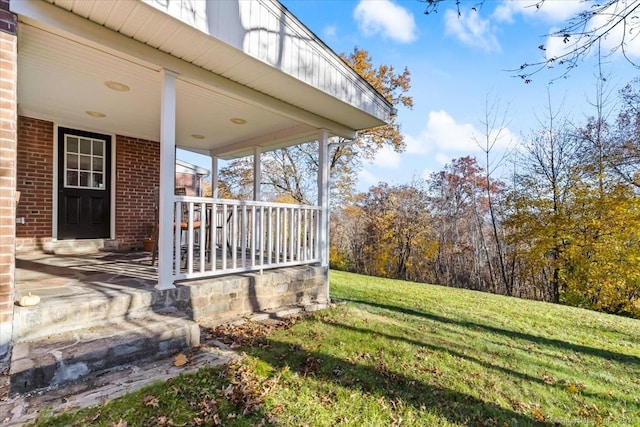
x,y
220,236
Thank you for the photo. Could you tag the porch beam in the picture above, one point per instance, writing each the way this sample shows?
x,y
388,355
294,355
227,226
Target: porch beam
x,y
214,174
323,198
287,137
167,179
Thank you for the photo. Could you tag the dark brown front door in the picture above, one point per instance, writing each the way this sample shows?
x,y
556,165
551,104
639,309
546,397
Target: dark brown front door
x,y
84,181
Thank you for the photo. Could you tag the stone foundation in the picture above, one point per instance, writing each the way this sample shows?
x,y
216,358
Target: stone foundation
x,y
230,297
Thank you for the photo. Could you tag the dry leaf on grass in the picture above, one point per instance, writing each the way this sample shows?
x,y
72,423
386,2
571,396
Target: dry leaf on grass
x,y
180,360
150,400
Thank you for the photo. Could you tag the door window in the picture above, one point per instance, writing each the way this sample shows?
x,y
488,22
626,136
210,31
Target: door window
x,y
84,165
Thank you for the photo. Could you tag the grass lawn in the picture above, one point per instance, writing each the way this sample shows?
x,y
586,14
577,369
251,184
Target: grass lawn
x,y
399,353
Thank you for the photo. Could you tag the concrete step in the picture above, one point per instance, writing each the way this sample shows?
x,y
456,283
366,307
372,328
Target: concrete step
x,y
74,247
80,306
63,358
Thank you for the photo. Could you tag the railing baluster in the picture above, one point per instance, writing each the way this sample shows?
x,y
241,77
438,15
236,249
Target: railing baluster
x,y
225,237
177,236
190,237
291,235
277,236
213,236
254,235
269,234
234,236
243,236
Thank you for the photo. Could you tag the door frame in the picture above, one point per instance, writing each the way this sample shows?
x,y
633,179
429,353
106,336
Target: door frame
x,y
56,174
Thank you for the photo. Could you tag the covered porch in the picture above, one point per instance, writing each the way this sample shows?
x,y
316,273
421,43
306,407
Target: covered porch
x,y
259,83
106,93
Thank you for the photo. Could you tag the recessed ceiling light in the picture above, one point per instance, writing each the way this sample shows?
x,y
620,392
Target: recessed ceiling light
x,y
96,114
197,136
117,86
238,121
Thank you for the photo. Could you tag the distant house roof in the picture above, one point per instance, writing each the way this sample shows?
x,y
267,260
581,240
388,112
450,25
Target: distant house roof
x,y
186,167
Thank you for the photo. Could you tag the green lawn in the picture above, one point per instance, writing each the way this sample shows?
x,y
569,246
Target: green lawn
x,y
399,353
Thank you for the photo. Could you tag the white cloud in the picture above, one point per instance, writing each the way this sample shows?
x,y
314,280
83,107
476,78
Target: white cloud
x,y
387,18
448,139
442,132
386,158
471,30
549,11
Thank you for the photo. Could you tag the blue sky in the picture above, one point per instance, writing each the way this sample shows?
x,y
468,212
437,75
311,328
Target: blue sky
x,y
457,65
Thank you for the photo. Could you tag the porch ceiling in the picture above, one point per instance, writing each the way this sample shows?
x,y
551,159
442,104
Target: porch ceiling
x,y
61,80
64,60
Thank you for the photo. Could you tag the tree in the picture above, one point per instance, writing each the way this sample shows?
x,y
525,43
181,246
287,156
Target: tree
x,y
387,232
293,170
458,202
494,126
583,33
539,213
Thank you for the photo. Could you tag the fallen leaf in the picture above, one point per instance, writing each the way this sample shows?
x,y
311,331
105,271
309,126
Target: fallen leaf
x,y
548,379
538,415
180,360
150,400
573,389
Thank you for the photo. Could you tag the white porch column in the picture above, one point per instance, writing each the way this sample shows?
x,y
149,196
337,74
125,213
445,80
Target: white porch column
x,y
257,173
214,175
167,179
323,197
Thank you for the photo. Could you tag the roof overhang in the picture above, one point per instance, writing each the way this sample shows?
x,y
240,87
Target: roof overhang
x,y
228,100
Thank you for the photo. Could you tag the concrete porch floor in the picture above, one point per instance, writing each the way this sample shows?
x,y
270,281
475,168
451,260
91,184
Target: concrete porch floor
x,y
53,276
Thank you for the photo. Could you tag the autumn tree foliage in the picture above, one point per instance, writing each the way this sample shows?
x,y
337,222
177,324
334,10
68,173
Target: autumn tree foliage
x,y
293,171
386,233
459,204
565,226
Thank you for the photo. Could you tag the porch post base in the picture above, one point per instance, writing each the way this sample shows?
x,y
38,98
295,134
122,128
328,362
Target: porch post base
x,y
164,286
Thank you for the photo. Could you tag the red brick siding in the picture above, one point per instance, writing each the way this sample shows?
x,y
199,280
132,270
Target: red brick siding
x,y
137,177
35,183
8,143
190,181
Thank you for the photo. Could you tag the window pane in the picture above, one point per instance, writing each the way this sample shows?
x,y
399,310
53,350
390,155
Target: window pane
x,y
72,178
72,145
84,179
85,146
72,161
97,180
85,163
98,148
97,164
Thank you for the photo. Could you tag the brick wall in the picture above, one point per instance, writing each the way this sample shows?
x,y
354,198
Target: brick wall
x,y
137,178
137,166
35,181
8,142
190,181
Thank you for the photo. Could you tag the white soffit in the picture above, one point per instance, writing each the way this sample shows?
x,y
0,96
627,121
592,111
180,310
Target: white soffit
x,y
256,43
